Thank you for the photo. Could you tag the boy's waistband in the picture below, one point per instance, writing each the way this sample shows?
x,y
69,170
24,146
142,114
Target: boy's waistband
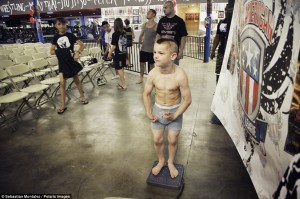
x,y
167,107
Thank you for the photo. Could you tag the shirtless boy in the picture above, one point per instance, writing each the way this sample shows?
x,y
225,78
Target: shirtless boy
x,y
173,97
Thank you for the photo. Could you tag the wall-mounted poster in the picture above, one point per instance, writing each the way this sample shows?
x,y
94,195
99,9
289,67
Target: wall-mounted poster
x,y
135,11
135,19
258,94
192,16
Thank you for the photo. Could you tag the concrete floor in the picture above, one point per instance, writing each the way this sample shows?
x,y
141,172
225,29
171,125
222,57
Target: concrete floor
x,y
105,149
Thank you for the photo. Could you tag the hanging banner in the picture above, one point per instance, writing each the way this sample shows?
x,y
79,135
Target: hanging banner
x,y
16,7
257,98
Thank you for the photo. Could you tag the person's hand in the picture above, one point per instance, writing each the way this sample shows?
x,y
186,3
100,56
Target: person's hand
x,y
139,46
168,115
180,55
109,56
152,118
212,55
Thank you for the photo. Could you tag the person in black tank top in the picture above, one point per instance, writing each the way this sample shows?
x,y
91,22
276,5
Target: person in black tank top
x,y
130,37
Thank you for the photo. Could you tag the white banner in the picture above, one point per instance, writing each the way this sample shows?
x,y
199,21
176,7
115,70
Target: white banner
x,y
258,95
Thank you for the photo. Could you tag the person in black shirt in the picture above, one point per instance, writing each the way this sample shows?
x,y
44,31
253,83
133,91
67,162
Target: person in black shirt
x,y
130,37
220,38
63,45
172,26
119,46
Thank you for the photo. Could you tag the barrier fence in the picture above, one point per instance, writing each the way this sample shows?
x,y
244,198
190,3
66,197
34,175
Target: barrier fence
x,y
194,48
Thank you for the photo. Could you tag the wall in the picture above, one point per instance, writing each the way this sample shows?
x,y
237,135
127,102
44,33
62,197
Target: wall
x,y
191,25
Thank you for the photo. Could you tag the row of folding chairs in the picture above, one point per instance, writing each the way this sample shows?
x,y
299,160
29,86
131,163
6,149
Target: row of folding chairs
x,y
15,78
23,82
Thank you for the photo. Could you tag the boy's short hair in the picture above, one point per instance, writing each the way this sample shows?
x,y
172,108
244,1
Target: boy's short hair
x,y
127,22
170,42
61,20
104,23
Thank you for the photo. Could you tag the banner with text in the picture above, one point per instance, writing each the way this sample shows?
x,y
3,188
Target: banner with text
x,y
15,7
258,95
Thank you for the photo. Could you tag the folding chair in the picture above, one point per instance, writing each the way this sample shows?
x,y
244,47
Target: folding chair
x,y
39,55
13,56
29,52
17,50
5,52
53,64
32,89
24,59
6,63
10,98
3,85
38,64
3,57
102,67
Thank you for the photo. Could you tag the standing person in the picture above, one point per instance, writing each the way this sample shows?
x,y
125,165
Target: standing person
x,y
102,39
148,34
172,98
63,42
130,37
172,26
108,38
220,38
118,45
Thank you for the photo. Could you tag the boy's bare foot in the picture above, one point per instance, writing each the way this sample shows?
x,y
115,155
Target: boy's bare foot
x,y
139,82
158,167
173,170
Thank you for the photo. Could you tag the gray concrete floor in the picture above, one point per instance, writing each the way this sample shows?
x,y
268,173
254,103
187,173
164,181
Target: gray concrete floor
x,y
105,149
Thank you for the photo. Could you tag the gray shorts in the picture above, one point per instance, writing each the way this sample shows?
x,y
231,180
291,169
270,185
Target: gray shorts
x,y
162,123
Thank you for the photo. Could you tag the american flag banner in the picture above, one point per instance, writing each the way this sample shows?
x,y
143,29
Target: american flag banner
x,y
257,98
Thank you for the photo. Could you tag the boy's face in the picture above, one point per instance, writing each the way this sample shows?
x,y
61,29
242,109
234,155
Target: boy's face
x,y
61,27
163,57
106,27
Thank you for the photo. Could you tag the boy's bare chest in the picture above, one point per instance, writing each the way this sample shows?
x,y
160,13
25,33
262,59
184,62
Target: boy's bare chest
x,y
166,82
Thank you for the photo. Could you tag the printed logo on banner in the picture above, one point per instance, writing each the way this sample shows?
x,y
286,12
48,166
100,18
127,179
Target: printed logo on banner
x,y
250,80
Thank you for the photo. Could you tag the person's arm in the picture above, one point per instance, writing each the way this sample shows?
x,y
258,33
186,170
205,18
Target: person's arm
x,y
158,31
215,45
81,47
181,47
141,36
112,49
147,96
186,96
157,37
52,49
132,32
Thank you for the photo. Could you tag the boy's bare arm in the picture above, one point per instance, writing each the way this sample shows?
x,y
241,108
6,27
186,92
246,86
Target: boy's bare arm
x,y
52,49
147,95
185,94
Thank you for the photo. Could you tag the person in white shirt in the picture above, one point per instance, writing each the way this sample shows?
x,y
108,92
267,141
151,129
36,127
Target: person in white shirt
x,y
108,37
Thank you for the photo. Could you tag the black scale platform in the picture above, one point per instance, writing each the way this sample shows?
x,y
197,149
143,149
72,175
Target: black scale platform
x,y
163,179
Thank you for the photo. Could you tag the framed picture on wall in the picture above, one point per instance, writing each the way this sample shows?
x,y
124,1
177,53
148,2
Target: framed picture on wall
x,y
220,14
135,20
189,16
135,11
197,17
